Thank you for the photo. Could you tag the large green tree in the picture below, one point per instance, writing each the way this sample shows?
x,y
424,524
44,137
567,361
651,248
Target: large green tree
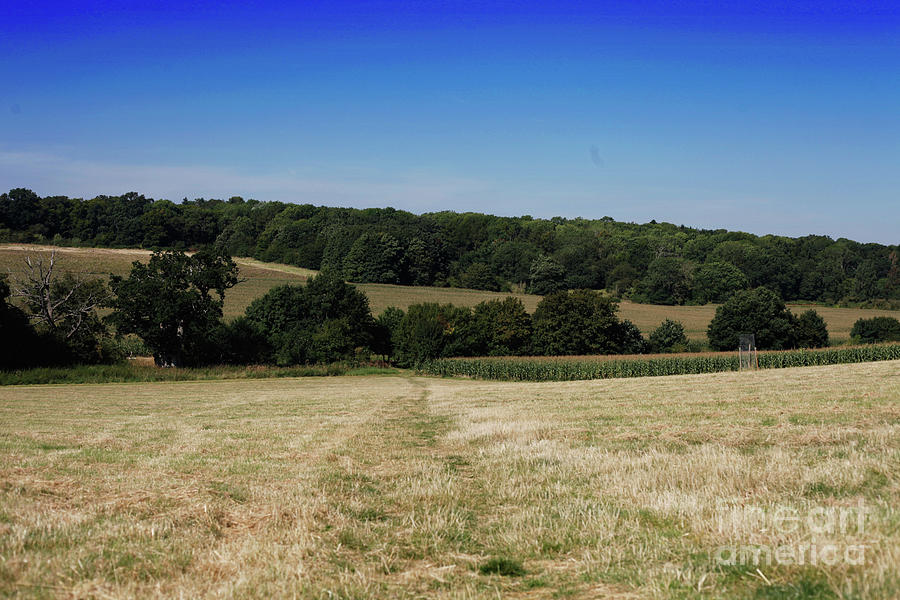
x,y
576,322
432,330
717,281
511,260
760,312
174,303
425,259
546,276
812,331
325,320
374,258
668,281
668,337
501,328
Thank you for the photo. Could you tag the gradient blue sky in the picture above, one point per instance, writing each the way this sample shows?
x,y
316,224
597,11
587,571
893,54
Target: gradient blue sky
x,y
760,117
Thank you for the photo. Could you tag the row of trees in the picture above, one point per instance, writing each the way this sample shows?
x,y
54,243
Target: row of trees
x,y
329,320
763,313
565,323
174,304
169,304
654,262
585,322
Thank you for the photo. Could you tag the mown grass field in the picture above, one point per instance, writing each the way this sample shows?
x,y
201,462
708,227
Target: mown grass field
x,y
260,277
360,487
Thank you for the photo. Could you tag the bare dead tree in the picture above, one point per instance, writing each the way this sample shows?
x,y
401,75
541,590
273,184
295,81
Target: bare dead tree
x,y
62,304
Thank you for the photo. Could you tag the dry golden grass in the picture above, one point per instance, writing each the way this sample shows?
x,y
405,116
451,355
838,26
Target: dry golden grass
x,y
362,487
260,277
648,317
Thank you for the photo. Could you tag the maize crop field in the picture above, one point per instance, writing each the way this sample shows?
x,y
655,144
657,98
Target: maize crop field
x,y
608,367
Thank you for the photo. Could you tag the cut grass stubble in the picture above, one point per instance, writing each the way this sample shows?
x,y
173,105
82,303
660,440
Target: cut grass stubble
x,y
404,486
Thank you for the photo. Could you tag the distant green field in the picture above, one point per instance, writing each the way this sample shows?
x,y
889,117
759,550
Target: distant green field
x,y
261,277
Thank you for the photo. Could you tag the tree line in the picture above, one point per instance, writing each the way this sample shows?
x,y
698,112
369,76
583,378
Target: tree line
x,y
173,303
653,262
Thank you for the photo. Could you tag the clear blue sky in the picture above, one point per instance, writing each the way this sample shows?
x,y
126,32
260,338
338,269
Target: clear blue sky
x,y
764,117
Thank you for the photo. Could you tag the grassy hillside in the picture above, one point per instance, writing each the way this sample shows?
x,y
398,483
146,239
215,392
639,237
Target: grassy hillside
x,y
260,277
356,487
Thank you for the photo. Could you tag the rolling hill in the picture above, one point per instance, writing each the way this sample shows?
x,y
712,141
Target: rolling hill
x,y
259,277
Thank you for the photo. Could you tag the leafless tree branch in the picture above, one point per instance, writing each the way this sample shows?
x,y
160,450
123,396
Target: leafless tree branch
x,y
59,303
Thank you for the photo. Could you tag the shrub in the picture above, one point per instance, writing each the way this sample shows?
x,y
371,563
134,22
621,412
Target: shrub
x,y
432,330
130,346
62,310
811,330
384,333
241,342
629,339
668,337
876,329
18,340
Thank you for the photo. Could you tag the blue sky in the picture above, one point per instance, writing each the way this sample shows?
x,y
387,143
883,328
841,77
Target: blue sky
x,y
771,118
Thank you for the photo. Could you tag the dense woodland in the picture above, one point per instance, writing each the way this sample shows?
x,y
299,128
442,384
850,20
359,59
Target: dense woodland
x,y
652,262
